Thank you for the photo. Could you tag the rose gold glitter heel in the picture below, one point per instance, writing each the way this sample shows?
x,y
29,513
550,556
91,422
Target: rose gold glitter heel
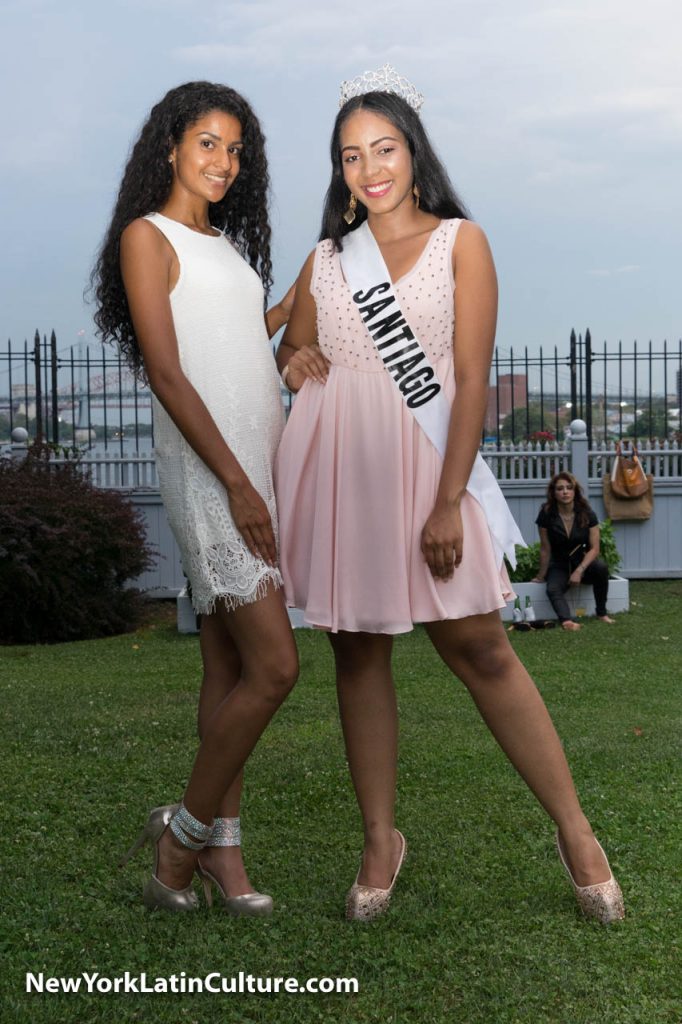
x,y
227,832
602,901
365,902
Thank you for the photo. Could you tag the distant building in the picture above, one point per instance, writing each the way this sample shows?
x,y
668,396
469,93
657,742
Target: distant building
x,y
24,400
510,393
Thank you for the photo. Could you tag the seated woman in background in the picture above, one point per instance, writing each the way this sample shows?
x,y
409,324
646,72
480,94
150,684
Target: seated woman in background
x,y
569,548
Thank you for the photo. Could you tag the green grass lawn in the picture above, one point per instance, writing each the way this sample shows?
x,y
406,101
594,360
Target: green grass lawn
x,y
483,928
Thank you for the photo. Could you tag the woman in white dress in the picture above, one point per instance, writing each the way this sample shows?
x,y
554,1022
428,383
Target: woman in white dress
x,y
180,286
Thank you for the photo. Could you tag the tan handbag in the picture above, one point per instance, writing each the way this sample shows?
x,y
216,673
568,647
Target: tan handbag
x,y
618,508
628,479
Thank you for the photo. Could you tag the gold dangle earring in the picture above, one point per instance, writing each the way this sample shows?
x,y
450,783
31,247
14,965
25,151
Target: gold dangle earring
x,y
415,193
349,215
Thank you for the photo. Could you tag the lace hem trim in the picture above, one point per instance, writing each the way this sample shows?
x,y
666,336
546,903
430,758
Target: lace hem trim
x,y
207,605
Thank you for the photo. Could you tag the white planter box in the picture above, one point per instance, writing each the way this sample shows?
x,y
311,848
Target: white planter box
x,y
296,619
580,599
187,620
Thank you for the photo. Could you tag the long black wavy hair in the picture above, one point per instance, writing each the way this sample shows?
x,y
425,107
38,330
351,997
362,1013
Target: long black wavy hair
x,y
242,214
436,193
580,503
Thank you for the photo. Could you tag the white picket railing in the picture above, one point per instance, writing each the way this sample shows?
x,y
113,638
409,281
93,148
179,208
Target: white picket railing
x,y
527,460
649,549
136,472
531,461
523,461
661,458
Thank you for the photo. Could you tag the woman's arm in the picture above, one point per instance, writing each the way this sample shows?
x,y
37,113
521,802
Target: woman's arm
x,y
298,353
589,556
278,315
147,262
475,319
545,552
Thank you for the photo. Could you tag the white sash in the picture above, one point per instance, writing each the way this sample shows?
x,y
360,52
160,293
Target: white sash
x,y
415,378
398,346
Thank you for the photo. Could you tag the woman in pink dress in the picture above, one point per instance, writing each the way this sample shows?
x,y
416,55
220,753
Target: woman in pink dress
x,y
378,531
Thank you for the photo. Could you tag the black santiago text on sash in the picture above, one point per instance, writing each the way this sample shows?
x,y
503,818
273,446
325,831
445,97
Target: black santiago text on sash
x,y
402,356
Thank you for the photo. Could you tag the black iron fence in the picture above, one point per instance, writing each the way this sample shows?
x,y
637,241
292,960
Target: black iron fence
x,y
619,391
85,395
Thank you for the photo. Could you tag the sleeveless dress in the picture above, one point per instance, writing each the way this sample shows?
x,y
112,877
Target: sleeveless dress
x,y
217,307
356,476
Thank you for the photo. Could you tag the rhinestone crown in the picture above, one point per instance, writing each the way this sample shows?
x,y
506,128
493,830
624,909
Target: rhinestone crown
x,y
385,79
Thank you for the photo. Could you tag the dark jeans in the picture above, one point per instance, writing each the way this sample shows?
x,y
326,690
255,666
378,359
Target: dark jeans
x,y
557,584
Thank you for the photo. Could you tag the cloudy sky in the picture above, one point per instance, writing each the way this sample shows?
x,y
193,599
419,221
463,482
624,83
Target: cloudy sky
x,y
560,124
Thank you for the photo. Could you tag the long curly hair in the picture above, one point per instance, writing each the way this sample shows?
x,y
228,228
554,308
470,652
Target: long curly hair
x,y
580,503
436,193
147,180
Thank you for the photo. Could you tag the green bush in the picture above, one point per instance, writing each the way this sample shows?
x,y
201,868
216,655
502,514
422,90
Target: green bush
x,y
527,563
67,551
608,550
528,559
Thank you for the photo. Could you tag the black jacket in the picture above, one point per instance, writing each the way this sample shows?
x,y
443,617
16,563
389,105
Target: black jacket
x,y
566,548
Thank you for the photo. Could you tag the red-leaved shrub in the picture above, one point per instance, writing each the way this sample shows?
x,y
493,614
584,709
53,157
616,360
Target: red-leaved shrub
x,y
67,550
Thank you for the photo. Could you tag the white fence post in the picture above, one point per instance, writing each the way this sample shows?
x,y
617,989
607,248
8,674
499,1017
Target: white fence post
x,y
578,442
19,445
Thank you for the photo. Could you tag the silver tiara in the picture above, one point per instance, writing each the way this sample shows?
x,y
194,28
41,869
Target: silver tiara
x,y
385,79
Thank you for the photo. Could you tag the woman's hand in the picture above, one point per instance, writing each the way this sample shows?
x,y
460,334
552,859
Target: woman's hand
x,y
538,579
307,363
442,539
576,577
252,519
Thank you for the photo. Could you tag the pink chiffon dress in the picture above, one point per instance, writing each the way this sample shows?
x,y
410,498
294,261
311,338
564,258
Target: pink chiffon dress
x,y
356,477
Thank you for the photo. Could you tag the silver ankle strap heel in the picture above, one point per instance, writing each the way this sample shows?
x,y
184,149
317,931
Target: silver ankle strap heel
x,y
227,832
189,831
192,833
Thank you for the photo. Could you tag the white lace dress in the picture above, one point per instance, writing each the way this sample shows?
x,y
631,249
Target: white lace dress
x,y
225,353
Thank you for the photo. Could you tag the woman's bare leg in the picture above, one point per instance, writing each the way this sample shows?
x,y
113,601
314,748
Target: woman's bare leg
x,y
369,719
269,666
222,671
478,651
